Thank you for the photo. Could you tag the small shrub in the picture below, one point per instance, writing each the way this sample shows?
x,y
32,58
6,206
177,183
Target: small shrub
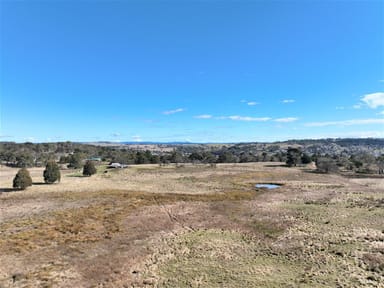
x,y
326,165
89,169
22,179
51,172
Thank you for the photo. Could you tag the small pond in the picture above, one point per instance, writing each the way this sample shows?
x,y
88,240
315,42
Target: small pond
x,y
267,185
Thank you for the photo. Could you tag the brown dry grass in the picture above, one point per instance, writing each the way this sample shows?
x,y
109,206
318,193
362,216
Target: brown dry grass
x,y
194,226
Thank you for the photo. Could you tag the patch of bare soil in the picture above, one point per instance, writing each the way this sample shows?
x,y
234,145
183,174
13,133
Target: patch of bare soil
x,y
193,226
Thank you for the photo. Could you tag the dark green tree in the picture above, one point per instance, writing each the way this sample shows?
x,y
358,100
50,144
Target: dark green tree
x,y
306,159
89,168
196,157
24,159
227,157
22,179
155,159
75,160
176,157
142,157
264,155
51,172
380,163
209,157
293,156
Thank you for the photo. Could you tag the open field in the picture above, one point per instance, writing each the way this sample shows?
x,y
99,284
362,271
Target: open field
x,y
193,226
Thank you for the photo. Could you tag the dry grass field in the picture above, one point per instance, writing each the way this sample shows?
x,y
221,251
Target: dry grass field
x,y
192,226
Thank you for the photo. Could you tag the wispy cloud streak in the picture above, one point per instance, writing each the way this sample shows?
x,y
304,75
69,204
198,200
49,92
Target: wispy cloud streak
x,y
203,116
170,112
286,120
246,118
252,103
346,122
286,101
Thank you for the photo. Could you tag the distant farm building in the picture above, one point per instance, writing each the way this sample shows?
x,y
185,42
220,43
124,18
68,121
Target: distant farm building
x,y
117,165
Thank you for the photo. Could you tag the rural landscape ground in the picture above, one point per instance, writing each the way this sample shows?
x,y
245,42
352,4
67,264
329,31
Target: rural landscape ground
x,y
193,226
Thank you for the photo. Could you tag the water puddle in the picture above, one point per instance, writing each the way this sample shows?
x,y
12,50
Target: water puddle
x,y
268,185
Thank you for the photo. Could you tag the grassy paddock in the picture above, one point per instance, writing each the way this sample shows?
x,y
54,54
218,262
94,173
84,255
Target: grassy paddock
x,y
191,226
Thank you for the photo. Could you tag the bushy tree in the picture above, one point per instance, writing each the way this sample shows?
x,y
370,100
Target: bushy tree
x,y
24,159
293,156
22,179
326,165
75,160
142,157
380,163
176,157
89,168
51,172
209,157
227,157
306,159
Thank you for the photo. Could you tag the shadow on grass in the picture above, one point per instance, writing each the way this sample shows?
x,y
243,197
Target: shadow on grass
x,y
318,172
6,190
75,175
277,165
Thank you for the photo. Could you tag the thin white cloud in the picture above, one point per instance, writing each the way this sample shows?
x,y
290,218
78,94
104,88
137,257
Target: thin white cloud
x,y
252,103
346,122
116,134
350,134
369,134
286,101
374,100
137,138
286,120
6,136
356,106
203,116
340,108
169,112
247,118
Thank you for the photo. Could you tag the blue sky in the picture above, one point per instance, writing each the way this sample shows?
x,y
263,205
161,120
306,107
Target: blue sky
x,y
200,71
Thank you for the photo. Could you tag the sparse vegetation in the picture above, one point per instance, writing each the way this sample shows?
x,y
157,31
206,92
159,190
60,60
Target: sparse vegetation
x,y
192,225
356,155
326,165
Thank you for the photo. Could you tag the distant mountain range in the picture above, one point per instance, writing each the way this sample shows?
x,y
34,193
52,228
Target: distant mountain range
x,y
148,143
340,141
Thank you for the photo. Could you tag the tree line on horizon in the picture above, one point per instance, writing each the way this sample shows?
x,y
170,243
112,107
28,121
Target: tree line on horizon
x,y
74,155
